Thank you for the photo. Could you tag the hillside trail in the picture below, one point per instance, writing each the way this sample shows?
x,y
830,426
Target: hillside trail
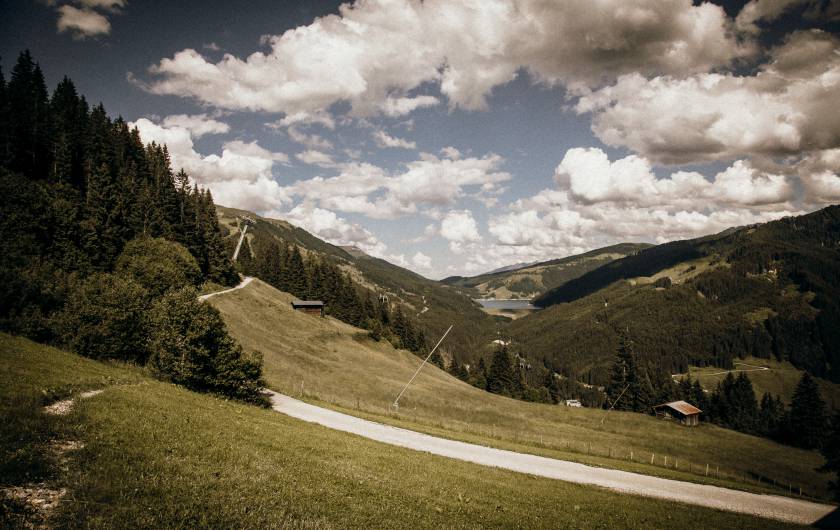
x,y
762,505
245,281
752,368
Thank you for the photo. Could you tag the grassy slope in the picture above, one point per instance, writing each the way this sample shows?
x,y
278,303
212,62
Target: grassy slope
x,y
446,305
531,280
338,365
781,379
157,456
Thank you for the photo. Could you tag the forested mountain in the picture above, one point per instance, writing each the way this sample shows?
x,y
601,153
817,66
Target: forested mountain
x,y
426,304
530,280
764,290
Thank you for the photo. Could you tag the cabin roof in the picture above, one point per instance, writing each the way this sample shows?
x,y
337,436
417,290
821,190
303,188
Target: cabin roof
x,y
681,406
307,303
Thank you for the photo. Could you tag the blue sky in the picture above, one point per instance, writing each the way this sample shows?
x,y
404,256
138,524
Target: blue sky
x,y
455,137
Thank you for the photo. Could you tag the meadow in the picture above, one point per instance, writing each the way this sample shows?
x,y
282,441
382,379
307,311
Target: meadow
x,y
152,455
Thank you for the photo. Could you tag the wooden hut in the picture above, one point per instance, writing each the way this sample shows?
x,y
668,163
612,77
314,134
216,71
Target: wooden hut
x,y
310,307
685,413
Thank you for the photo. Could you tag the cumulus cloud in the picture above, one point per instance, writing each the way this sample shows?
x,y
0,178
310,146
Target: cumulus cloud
x,y
785,109
82,23
332,228
311,140
197,124
240,177
383,139
374,53
421,261
460,229
315,158
590,177
85,19
424,184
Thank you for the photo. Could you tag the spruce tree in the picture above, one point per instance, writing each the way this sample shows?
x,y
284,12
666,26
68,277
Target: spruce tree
x,y
807,414
501,376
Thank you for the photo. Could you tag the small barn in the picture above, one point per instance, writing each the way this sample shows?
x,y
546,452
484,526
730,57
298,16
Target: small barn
x,y
683,412
310,307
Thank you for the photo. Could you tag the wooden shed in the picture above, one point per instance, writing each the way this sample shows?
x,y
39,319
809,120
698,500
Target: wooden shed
x,y
310,307
684,412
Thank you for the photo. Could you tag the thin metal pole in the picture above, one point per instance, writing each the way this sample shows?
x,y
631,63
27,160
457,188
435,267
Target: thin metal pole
x,y
397,401
614,404
239,245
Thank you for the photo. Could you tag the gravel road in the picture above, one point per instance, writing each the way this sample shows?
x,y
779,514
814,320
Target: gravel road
x,y
768,506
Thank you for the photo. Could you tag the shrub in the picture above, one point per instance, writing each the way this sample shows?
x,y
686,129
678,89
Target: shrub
x,y
159,265
190,346
104,318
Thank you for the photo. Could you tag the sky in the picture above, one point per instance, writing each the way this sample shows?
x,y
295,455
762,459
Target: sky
x,y
453,137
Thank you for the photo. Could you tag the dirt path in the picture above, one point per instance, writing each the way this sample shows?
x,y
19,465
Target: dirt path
x,y
245,281
752,368
769,506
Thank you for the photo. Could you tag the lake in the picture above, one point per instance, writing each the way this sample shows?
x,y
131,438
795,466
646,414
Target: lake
x,y
506,304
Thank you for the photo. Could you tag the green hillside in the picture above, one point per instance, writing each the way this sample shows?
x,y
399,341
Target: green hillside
x,y
767,375
434,306
140,449
531,280
770,290
335,364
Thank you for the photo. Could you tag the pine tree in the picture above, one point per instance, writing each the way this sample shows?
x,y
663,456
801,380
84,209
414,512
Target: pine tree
x,y
771,416
807,414
28,119
629,388
501,378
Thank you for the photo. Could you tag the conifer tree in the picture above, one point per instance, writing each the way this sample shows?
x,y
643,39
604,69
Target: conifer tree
x,y
807,413
501,377
629,387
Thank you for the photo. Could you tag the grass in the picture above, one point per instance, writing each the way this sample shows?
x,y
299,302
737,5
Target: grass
x,y
333,363
781,379
158,456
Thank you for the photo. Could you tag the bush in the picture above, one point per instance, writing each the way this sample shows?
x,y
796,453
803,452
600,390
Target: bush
x,y
104,318
159,265
190,346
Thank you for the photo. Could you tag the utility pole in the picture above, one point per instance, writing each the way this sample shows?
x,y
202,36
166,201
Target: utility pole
x,y
397,401
246,222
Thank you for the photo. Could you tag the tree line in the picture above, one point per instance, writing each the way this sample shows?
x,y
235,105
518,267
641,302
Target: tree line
x,y
103,245
316,278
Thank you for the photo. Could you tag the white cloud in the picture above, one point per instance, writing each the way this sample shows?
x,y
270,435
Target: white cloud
x,y
590,177
421,261
82,23
426,183
241,177
451,153
332,228
197,124
787,108
313,141
315,158
374,53
383,139
395,107
105,5
460,229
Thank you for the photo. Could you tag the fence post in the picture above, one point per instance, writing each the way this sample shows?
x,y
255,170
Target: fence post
x,y
666,461
652,456
707,470
631,456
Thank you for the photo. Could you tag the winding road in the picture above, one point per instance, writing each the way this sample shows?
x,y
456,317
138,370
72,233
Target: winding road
x,y
768,506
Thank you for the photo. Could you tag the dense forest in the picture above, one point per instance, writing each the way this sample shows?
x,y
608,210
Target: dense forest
x,y
102,244
770,290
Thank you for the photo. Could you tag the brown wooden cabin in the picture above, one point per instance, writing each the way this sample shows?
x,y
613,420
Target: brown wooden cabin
x,y
684,412
310,307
